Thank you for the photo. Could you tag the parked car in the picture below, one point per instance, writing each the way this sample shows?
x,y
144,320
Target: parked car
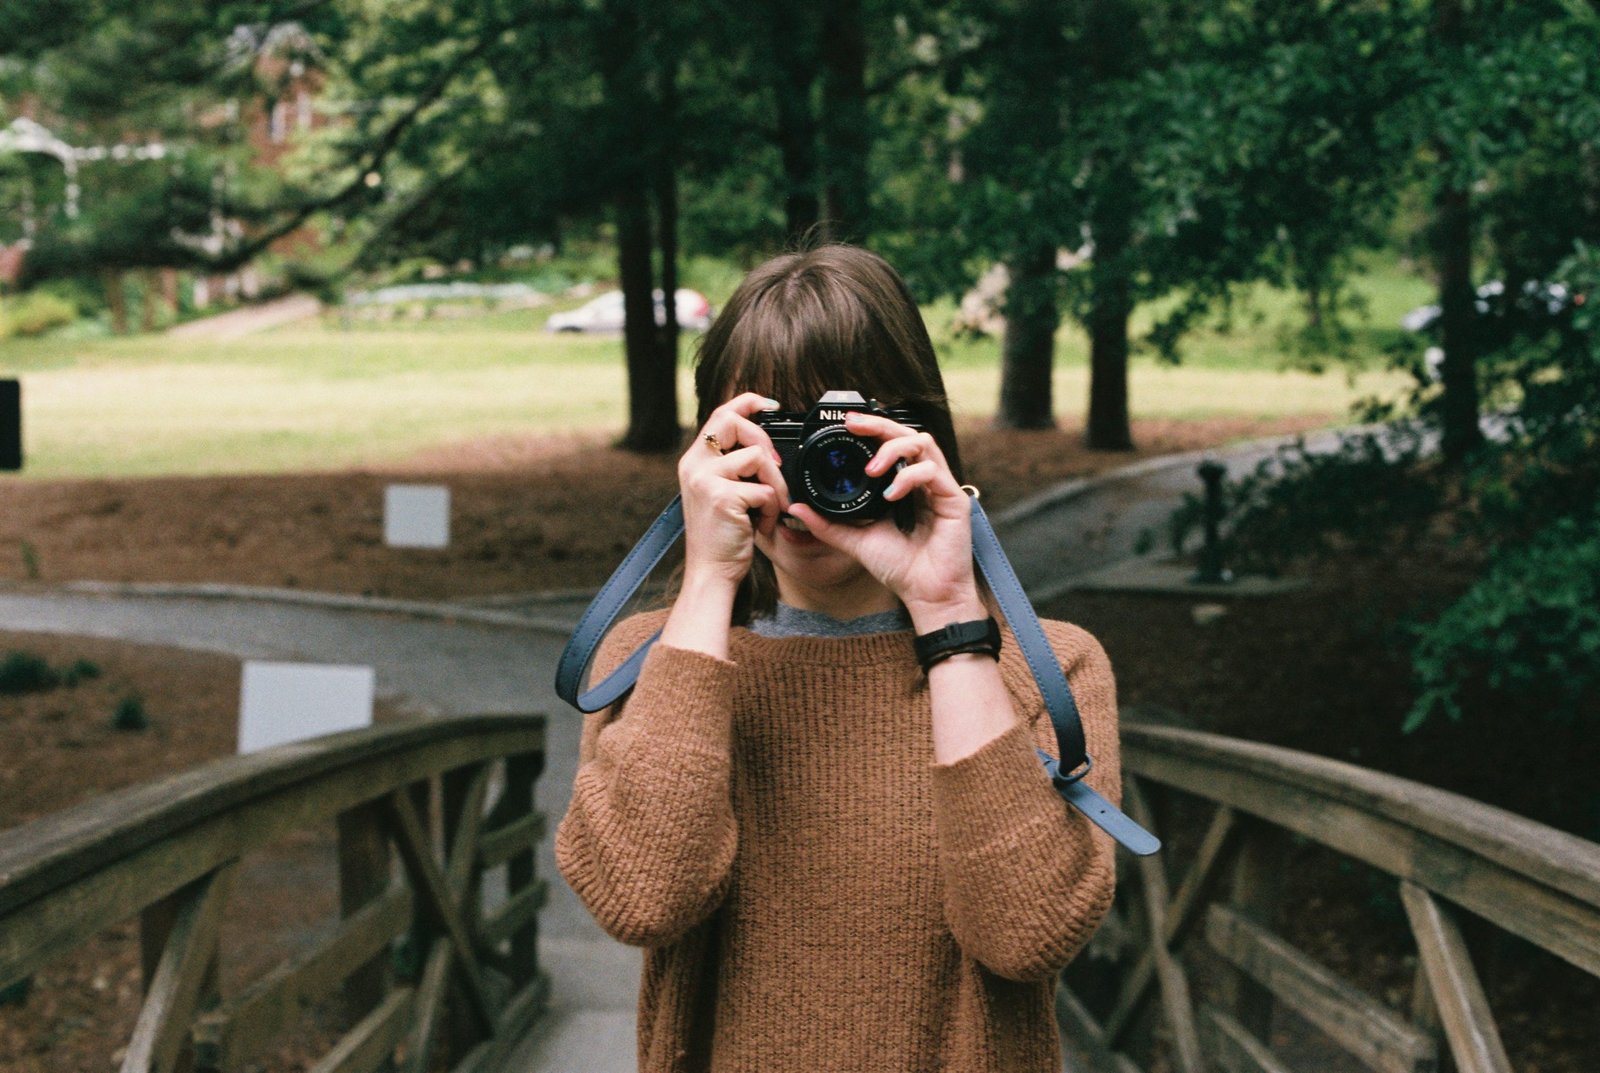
x,y
604,313
1539,300
1538,307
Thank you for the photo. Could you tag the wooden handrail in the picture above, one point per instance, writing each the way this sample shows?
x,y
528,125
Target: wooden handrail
x,y
166,850
1441,850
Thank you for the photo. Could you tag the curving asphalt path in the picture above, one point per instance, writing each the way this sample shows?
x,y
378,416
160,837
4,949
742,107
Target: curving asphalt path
x,y
441,660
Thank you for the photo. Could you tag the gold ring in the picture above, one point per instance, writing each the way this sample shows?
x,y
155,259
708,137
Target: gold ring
x,y
971,491
713,443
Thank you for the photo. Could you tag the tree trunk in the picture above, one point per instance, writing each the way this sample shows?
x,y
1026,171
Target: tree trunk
x,y
1452,249
1028,350
152,295
1112,40
652,373
116,300
1109,426
1457,324
795,73
666,189
846,139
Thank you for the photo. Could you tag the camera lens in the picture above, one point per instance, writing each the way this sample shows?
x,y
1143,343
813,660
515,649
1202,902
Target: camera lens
x,y
833,470
841,473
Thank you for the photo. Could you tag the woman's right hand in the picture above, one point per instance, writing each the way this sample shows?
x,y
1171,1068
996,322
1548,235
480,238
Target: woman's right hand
x,y
719,536
720,499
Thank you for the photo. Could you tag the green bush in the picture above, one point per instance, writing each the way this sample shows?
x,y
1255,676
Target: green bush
x,y
24,672
35,313
1528,632
80,670
130,714
1375,488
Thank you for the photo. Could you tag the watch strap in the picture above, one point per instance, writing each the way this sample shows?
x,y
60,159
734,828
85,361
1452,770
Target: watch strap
x,y
979,636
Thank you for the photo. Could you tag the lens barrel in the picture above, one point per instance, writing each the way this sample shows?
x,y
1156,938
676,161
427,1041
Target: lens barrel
x,y
832,469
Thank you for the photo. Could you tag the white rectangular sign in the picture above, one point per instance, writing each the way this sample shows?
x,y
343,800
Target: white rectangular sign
x,y
416,516
284,702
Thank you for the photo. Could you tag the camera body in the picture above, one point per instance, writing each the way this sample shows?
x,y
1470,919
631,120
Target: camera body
x,y
824,464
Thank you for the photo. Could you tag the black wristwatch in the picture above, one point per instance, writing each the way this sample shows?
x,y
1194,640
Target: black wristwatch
x,y
958,638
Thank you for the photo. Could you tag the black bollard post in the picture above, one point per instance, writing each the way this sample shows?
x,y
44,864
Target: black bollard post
x,y
1211,571
10,424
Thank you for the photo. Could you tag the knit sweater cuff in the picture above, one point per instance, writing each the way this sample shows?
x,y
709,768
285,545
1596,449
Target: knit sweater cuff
x,y
689,696
987,797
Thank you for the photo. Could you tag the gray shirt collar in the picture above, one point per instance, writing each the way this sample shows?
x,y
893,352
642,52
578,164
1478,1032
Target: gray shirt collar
x,y
786,621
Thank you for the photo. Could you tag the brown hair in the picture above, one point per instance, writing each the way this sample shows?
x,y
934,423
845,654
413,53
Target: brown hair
x,y
830,318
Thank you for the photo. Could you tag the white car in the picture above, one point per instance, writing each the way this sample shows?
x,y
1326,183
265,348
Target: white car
x,y
604,313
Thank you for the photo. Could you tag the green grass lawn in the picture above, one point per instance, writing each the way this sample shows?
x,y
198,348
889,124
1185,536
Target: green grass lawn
x,y
322,396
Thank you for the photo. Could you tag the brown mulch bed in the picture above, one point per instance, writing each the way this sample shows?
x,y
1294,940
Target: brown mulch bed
x,y
58,747
1322,670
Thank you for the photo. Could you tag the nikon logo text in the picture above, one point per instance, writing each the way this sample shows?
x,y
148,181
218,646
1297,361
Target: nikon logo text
x,y
830,415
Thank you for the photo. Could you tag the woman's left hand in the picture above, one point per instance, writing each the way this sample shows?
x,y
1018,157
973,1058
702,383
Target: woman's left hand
x,y
929,569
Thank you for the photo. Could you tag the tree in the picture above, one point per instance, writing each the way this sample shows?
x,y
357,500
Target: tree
x,y
1187,151
134,99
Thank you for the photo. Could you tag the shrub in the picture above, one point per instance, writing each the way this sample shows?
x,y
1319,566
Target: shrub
x,y
130,714
35,313
1528,632
1301,504
24,672
80,670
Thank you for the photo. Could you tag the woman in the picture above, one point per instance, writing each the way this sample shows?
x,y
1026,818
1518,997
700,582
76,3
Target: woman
x,y
836,858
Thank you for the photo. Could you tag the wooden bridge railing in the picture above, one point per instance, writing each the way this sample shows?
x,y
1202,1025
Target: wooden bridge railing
x,y
1198,970
423,810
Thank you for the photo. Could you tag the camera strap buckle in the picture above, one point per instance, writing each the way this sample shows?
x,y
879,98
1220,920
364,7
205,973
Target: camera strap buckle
x,y
996,568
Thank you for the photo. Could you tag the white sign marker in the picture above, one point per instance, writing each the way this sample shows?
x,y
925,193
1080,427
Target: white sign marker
x,y
416,516
284,702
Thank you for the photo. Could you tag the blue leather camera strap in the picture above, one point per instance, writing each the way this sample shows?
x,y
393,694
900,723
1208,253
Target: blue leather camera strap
x,y
1066,777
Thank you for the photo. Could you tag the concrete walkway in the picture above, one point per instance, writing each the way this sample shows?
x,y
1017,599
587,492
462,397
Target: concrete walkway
x,y
455,659
247,320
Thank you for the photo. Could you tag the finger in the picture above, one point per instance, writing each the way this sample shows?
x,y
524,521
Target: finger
x,y
757,462
739,466
720,489
761,501
875,425
750,402
907,449
733,429
908,480
738,408
942,496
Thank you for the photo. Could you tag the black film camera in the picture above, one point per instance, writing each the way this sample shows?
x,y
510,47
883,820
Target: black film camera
x,y
824,463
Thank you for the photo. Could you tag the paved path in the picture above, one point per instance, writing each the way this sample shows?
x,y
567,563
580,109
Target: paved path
x,y
238,323
444,661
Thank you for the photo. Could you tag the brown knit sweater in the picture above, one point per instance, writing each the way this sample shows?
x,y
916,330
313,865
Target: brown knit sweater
x,y
815,893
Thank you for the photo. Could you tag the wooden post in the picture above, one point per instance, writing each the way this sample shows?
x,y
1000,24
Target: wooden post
x,y
455,787
178,938
364,871
1257,894
522,773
